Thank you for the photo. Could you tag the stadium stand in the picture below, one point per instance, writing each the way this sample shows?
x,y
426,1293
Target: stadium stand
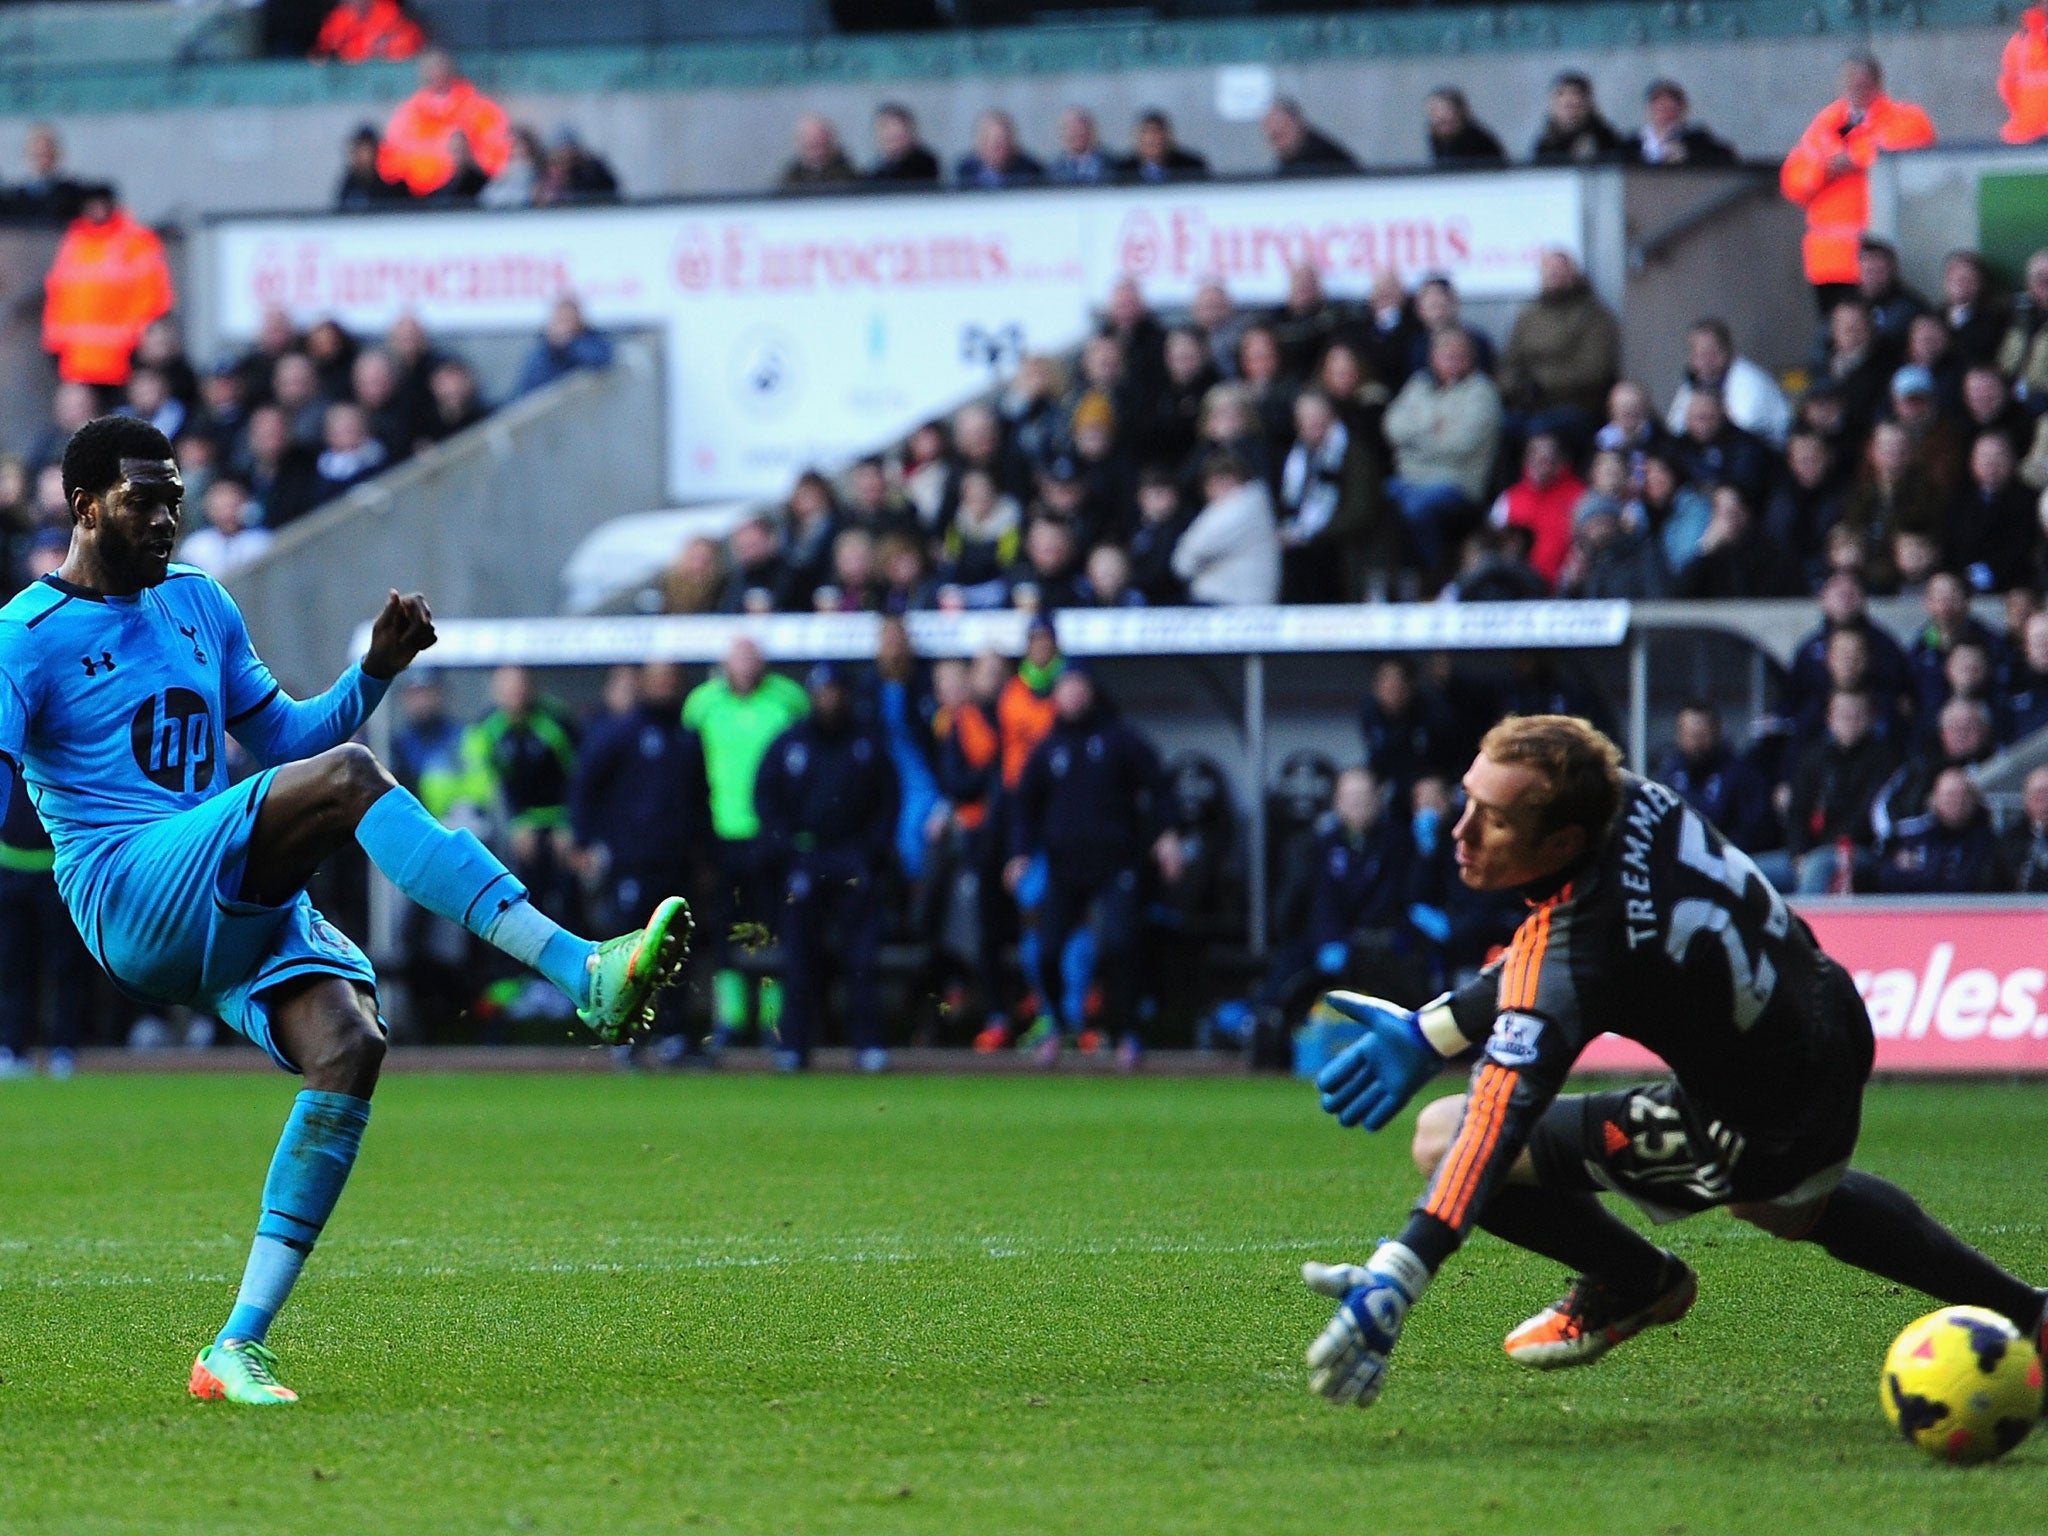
x,y
1651,409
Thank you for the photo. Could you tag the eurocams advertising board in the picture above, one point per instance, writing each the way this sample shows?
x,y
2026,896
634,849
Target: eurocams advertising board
x,y
1955,986
809,331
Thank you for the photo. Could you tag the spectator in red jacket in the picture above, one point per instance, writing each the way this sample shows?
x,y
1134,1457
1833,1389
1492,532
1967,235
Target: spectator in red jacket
x,y
1542,502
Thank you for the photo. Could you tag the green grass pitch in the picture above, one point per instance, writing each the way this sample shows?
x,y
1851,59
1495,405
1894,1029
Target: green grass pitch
x,y
959,1305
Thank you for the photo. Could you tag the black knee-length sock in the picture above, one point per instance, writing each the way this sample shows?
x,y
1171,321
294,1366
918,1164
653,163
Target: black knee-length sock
x,y
1875,1225
1574,1228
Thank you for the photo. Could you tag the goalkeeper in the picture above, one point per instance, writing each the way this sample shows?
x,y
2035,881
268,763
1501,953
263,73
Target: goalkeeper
x,y
1644,923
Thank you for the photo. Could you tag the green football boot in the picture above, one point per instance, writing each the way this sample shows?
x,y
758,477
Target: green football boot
x,y
239,1371
626,972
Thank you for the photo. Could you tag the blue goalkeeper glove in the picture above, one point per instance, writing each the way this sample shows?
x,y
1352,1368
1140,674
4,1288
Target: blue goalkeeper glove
x,y
1348,1360
1373,1080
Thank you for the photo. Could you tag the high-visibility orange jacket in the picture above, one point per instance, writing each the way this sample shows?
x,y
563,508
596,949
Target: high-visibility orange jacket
x,y
416,140
2023,79
1025,717
108,282
1838,204
356,37
978,739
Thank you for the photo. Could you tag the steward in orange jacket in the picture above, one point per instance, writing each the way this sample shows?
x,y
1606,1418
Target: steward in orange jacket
x,y
2023,79
1024,709
416,139
1828,171
357,31
109,281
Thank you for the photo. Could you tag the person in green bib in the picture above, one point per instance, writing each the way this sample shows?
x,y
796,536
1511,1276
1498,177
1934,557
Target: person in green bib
x,y
441,965
736,713
520,758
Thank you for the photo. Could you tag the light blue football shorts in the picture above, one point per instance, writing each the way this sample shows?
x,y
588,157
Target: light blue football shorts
x,y
158,908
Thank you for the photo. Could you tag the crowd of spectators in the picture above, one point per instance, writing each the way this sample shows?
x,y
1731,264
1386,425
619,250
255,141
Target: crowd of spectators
x,y
1574,133
262,438
1864,778
269,435
1053,883
1050,876
1002,817
1323,450
450,143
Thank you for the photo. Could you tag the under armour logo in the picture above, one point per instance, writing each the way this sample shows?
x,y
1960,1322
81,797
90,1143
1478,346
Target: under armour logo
x,y
192,634
94,668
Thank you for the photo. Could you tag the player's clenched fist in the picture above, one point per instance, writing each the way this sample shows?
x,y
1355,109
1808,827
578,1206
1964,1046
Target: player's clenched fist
x,y
401,632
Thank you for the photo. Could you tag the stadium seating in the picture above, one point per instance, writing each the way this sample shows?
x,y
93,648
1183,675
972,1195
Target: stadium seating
x,y
1075,424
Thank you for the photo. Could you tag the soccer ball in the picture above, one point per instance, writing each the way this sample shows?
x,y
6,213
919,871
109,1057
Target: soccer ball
x,y
1962,1384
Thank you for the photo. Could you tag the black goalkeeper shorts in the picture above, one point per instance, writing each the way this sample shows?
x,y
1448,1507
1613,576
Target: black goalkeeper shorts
x,y
1650,1143
1674,1158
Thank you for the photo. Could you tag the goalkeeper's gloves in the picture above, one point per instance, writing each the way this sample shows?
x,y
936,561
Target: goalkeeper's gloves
x,y
1373,1079
1348,1360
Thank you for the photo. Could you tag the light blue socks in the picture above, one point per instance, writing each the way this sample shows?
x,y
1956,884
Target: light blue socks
x,y
452,874
537,941
311,1164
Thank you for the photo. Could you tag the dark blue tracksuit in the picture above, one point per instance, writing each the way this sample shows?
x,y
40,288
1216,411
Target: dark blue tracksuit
x,y
1092,800
1400,751
827,797
639,793
1363,881
1926,856
40,950
1733,795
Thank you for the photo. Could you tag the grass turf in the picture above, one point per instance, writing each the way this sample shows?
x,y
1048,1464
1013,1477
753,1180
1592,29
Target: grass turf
x,y
920,1305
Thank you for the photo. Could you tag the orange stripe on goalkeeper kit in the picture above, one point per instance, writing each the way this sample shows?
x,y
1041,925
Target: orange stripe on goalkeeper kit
x,y
1486,1112
1525,960
1477,1138
1458,1165
1524,966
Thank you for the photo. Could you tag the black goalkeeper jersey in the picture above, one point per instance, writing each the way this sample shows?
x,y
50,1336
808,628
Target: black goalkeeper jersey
x,y
1668,935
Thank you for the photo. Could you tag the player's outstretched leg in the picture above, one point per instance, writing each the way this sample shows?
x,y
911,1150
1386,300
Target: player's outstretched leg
x,y
331,1031
312,806
1875,1225
1624,1286
1625,1283
451,873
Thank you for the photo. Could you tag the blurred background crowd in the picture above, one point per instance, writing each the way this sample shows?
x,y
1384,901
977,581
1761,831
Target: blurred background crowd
x,y
991,850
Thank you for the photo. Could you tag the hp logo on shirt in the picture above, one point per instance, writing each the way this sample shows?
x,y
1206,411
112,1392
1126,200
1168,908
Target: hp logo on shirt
x,y
173,739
